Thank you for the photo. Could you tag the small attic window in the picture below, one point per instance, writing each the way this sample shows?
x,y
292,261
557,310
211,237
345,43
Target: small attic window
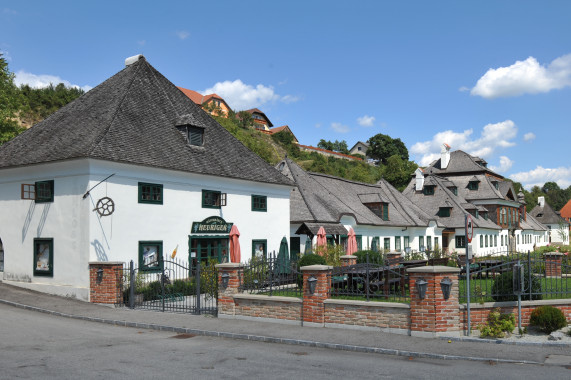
x,y
428,190
473,185
496,185
195,136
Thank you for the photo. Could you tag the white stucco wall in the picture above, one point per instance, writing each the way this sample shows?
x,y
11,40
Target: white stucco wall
x,y
81,235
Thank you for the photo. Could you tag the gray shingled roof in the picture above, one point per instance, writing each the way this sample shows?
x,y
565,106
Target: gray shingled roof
x,y
546,215
460,163
324,198
443,197
130,118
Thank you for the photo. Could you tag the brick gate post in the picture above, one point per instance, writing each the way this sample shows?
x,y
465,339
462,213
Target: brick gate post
x,y
553,262
348,260
433,315
232,273
313,309
106,282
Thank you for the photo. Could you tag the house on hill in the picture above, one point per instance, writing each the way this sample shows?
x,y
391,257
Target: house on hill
x,y
129,171
380,215
211,103
359,148
261,121
458,184
565,212
558,228
286,129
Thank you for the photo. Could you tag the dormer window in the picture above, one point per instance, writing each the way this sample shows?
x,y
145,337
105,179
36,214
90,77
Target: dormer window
x,y
454,190
193,135
380,209
428,190
444,212
485,215
473,185
496,185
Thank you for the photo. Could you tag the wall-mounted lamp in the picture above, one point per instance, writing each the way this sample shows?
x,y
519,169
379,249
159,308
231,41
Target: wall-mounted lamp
x,y
421,286
225,277
99,275
446,286
311,283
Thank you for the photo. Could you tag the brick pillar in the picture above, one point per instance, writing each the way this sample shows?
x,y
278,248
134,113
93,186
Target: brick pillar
x,y
348,260
313,307
108,287
235,272
434,315
553,262
393,256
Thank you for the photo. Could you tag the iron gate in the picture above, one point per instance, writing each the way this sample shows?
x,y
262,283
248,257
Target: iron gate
x,y
175,286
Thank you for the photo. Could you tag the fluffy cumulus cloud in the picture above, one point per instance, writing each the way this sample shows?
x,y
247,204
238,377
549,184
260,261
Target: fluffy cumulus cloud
x,y
339,128
494,137
524,77
366,121
505,165
540,175
43,80
529,136
242,96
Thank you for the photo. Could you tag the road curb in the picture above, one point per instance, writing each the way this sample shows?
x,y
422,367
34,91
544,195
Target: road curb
x,y
269,339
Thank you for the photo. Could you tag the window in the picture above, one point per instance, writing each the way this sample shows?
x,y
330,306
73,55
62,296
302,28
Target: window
x,y
44,257
407,242
196,136
375,243
259,248
496,185
486,241
44,191
359,239
436,243
150,193
518,239
481,241
473,185
485,215
421,243
495,240
397,243
213,199
502,240
387,244
444,212
429,243
428,190
460,241
380,209
150,256
259,203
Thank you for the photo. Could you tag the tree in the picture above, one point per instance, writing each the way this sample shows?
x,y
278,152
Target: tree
x,y
337,146
382,147
9,104
398,172
244,119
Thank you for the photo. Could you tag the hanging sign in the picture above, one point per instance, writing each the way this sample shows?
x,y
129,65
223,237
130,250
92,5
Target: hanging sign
x,y
211,225
469,228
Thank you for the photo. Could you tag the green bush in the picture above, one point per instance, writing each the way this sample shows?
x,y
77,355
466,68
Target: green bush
x,y
502,288
374,257
311,259
548,318
184,287
498,324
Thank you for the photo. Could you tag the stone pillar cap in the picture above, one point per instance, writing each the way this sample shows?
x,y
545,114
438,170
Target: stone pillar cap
x,y
348,257
229,265
434,269
316,268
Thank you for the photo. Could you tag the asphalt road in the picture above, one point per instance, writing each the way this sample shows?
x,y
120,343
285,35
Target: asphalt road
x,y
39,346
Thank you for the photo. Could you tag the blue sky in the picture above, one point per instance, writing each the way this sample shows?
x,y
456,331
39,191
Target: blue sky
x,y
492,78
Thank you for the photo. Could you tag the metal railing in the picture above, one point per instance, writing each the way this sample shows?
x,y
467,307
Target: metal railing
x,y
272,275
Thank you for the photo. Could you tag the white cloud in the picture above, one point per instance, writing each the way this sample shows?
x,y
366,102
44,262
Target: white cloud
x,y
366,121
142,42
183,34
43,80
241,96
339,128
464,89
540,175
524,77
494,137
529,136
318,125
505,165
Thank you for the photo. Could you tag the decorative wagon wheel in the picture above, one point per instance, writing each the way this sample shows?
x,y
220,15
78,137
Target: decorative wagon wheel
x,y
105,206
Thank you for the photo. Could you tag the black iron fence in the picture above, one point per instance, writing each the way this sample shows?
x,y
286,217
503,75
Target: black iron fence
x,y
272,275
500,276
373,278
174,287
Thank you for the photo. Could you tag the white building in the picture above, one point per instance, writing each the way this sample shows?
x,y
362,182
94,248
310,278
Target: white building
x,y
131,170
557,227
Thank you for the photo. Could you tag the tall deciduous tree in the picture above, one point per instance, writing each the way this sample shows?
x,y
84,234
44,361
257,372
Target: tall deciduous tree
x,y
382,147
9,103
337,146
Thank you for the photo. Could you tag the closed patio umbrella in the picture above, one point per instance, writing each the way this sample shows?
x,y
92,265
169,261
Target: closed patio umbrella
x,y
283,257
234,245
351,242
321,238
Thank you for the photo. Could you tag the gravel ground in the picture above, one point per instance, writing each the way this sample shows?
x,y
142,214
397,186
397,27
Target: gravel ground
x,y
533,335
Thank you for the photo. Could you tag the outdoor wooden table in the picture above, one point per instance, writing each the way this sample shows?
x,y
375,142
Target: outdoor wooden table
x,y
486,265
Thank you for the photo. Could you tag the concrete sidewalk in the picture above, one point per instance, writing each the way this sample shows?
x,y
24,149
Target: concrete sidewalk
x,y
341,339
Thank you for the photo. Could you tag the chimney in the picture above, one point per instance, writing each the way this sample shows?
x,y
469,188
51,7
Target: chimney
x,y
129,61
444,156
541,201
419,179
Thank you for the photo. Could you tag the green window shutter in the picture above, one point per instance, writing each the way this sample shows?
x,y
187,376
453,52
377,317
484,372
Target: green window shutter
x,y
259,203
44,191
385,211
150,193
429,243
397,243
359,239
420,242
211,199
151,256
387,244
406,241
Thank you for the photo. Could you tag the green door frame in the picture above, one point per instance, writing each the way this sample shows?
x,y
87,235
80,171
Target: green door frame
x,y
218,255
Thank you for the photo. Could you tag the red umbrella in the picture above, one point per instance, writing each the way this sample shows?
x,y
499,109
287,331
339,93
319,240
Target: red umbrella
x,y
321,238
234,245
351,242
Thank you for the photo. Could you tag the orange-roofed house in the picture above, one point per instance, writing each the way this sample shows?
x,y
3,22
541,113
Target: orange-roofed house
x,y
212,103
566,211
284,128
261,121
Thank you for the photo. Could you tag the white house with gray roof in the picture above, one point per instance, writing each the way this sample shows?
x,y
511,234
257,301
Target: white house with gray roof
x,y
379,213
458,184
557,227
131,170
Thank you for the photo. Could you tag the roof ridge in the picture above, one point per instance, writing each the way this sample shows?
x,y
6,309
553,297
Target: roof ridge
x,y
106,130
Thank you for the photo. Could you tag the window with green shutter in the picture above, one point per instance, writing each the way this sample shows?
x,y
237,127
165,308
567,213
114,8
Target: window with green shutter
x,y
421,246
44,257
387,243
397,243
406,242
460,241
473,185
44,191
259,203
428,190
150,193
150,256
213,199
